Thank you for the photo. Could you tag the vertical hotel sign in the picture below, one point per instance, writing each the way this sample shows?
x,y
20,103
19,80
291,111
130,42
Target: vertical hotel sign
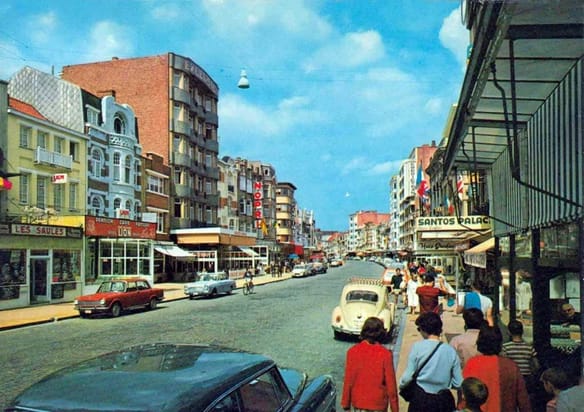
x,y
258,196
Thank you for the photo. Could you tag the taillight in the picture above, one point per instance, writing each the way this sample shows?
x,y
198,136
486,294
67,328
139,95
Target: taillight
x,y
338,319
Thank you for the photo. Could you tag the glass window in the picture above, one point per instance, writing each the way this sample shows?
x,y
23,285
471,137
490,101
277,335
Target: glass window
x,y
128,169
208,215
92,116
58,196
13,273
23,190
58,144
95,164
73,191
117,166
74,150
96,205
117,203
264,394
42,138
25,136
119,124
160,217
41,192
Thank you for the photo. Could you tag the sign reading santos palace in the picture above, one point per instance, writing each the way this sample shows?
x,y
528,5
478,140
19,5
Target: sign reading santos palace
x,y
433,223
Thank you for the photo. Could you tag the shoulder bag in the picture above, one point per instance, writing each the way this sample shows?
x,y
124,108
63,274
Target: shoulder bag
x,y
408,392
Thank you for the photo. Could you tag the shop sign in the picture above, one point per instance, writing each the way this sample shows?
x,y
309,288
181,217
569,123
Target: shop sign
x,y
118,228
122,213
258,196
478,260
59,178
38,230
433,223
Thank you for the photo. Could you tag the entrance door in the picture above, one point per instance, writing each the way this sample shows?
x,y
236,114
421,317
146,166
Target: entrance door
x,y
39,280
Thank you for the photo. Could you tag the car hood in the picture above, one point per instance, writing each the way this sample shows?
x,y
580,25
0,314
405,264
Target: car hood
x,y
97,296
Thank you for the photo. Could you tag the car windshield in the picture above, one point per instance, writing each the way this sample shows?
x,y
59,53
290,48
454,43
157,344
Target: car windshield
x,y
362,296
112,287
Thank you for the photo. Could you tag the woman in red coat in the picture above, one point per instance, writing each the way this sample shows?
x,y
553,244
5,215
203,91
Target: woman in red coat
x,y
370,382
507,391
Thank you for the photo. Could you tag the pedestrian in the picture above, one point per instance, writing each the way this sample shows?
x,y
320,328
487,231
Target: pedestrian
x,y
396,284
475,299
370,382
571,399
465,344
524,355
475,393
428,294
412,296
554,381
438,375
506,386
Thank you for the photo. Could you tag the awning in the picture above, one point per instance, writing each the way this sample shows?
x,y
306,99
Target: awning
x,y
248,251
174,251
477,255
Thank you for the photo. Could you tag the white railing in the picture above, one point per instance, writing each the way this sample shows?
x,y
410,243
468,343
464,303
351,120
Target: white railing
x,y
53,158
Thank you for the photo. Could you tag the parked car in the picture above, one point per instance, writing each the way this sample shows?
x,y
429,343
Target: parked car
x,y
319,267
336,262
117,295
301,270
210,284
173,377
361,298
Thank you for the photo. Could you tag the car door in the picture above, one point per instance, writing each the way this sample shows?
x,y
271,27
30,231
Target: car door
x,y
132,296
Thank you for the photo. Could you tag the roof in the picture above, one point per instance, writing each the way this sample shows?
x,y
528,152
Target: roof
x,y
531,46
24,108
139,378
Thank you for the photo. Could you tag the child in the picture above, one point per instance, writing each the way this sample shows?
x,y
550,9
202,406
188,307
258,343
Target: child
x,y
474,393
554,381
523,354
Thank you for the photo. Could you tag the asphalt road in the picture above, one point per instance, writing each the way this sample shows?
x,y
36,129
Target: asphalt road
x,y
288,321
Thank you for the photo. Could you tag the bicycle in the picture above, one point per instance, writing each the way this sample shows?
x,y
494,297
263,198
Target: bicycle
x,y
248,286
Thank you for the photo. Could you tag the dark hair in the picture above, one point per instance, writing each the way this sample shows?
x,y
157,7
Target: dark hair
x,y
428,278
557,377
373,330
490,340
515,328
430,323
473,318
475,392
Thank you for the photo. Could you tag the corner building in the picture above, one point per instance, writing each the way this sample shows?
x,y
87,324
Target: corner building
x,y
175,102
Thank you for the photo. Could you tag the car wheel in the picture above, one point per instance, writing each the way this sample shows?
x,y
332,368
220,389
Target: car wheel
x,y
153,304
116,310
83,315
214,293
230,290
191,297
338,335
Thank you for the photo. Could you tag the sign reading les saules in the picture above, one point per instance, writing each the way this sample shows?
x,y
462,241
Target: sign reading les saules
x,y
121,228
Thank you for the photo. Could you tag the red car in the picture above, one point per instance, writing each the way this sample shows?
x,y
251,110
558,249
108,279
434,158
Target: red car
x,y
116,295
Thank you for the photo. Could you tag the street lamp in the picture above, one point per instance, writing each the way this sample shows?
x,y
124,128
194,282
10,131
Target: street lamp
x,y
243,81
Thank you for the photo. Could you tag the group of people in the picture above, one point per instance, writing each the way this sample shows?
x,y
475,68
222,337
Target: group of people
x,y
486,374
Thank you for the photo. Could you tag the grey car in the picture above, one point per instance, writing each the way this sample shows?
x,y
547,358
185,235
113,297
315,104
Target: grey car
x,y
176,377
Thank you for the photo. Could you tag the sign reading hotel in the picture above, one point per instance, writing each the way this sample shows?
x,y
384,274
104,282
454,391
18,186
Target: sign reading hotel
x,y
437,223
258,196
119,228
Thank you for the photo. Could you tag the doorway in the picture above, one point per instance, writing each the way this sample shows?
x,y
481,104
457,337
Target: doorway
x,y
39,280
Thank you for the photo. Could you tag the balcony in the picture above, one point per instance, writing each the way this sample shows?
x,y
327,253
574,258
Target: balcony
x,y
180,223
182,127
211,145
212,200
46,157
181,95
212,118
182,190
182,159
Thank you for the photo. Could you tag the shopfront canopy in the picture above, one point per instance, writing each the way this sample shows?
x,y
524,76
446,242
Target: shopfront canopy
x,y
248,251
477,255
175,251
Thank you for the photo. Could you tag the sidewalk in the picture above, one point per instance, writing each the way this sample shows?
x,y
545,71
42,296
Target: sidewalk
x,y
34,315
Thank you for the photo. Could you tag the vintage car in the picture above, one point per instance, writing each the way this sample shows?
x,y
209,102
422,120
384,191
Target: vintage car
x,y
301,270
336,262
210,284
175,377
319,267
361,298
117,295
386,277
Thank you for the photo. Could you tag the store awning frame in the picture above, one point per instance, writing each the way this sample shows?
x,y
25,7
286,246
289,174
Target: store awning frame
x,y
175,252
477,255
248,251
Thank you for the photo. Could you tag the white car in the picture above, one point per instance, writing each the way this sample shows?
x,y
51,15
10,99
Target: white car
x,y
362,298
210,284
301,270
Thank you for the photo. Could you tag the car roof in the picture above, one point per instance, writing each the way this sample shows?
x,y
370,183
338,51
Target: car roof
x,y
150,377
126,279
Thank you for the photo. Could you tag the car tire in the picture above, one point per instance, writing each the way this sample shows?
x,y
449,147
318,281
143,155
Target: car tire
x,y
191,297
83,315
153,304
116,310
338,335
214,293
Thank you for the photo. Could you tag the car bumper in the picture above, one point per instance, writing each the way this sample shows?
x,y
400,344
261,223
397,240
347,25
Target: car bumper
x,y
91,309
192,292
346,330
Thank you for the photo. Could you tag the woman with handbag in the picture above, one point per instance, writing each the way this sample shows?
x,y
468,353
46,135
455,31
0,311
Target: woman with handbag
x,y
432,370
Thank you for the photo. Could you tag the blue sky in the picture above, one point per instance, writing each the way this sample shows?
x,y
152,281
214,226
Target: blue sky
x,y
341,90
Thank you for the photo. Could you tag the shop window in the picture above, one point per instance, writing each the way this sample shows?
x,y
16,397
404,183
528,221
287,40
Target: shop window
x,y
13,273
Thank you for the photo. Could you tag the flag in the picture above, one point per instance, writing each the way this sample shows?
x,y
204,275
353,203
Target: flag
x,y
459,186
5,184
264,227
421,184
448,205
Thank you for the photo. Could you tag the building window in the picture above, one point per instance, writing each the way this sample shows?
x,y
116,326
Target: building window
x,y
58,144
42,138
208,215
156,184
128,207
137,173
177,208
41,192
73,191
160,217
25,136
95,164
96,205
58,196
117,203
23,189
92,116
117,166
178,175
74,150
208,188
119,124
128,170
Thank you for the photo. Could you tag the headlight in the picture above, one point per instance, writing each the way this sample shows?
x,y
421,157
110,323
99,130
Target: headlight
x,y
75,302
102,301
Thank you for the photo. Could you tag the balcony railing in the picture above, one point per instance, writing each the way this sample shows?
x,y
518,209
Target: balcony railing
x,y
44,156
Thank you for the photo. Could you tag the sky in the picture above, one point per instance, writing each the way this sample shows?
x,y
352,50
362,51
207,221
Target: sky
x,y
341,91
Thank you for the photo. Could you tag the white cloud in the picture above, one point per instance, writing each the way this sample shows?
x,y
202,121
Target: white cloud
x,y
168,12
454,36
385,168
355,164
41,27
110,39
434,106
12,60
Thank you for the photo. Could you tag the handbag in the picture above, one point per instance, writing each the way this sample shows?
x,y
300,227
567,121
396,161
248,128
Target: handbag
x,y
409,390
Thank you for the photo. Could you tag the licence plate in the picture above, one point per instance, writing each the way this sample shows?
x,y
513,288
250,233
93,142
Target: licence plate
x,y
87,311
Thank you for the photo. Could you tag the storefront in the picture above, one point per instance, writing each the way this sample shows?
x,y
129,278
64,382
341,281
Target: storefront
x,y
39,264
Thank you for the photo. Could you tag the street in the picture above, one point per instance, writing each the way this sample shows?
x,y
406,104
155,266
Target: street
x,y
288,321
